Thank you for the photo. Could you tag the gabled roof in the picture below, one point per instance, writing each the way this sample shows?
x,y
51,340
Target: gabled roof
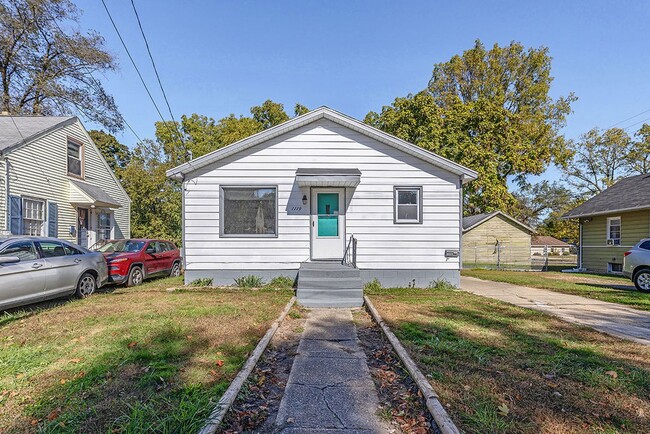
x,y
18,130
470,222
628,194
546,240
322,113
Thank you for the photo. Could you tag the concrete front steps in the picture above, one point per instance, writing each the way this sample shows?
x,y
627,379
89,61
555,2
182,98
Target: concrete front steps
x,y
329,284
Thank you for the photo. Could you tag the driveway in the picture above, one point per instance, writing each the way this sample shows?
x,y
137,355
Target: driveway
x,y
611,318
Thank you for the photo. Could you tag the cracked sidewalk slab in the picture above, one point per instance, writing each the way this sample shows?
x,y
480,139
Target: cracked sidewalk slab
x,y
329,387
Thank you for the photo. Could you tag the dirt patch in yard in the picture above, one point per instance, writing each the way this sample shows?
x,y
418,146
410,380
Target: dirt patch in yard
x,y
401,402
503,369
256,406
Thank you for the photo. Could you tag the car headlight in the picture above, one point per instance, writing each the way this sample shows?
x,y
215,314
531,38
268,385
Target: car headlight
x,y
117,260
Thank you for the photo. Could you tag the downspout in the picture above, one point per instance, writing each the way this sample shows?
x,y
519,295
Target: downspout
x,y
7,199
580,248
183,223
460,224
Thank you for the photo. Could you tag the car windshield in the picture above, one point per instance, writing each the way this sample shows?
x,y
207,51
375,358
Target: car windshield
x,y
122,246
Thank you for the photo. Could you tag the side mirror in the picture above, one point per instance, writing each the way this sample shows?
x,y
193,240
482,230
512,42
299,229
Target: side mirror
x,y
150,251
9,259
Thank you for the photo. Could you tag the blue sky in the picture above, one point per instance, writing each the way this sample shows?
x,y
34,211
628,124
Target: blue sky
x,y
222,57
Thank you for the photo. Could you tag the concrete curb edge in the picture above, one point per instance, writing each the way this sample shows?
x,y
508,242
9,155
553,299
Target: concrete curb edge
x,y
216,417
444,422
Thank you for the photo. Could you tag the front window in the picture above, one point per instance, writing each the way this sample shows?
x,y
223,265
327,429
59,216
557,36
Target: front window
x,y
74,158
52,249
33,217
22,249
249,211
122,246
614,231
104,226
408,204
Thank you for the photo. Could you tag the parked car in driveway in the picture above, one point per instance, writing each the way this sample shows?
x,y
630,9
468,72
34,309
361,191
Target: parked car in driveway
x,y
133,260
636,265
34,269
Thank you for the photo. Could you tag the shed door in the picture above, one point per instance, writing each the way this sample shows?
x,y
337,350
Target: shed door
x,y
327,223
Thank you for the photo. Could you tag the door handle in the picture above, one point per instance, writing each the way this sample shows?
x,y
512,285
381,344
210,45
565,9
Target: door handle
x,y
76,261
37,265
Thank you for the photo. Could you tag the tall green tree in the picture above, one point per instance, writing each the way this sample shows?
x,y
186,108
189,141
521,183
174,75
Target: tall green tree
x,y
117,155
46,69
638,159
269,114
536,201
600,158
488,109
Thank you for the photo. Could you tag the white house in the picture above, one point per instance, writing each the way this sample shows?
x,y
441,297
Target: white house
x,y
295,197
55,182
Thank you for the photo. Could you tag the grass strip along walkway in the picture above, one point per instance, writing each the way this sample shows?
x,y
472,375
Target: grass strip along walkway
x,y
499,368
140,359
606,288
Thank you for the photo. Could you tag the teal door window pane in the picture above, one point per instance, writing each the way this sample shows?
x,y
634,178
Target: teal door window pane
x,y
328,214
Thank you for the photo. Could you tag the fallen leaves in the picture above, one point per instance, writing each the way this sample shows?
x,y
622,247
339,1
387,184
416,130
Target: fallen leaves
x,y
219,363
612,374
75,360
503,409
132,344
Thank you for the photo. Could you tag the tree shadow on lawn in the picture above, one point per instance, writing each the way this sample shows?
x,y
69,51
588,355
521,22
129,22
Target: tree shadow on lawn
x,y
614,287
552,378
166,383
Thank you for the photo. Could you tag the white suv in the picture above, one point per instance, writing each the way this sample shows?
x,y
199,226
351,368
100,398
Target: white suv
x,y
636,265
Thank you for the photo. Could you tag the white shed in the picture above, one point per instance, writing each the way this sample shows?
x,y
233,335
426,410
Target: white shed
x,y
328,195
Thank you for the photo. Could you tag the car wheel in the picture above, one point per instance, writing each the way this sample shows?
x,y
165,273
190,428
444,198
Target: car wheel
x,y
86,286
136,277
642,280
176,270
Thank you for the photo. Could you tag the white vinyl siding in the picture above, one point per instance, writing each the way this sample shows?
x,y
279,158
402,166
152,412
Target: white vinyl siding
x,y
40,169
370,206
3,197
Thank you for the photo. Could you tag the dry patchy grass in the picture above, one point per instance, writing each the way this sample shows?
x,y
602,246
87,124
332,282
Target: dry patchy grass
x,y
145,359
504,369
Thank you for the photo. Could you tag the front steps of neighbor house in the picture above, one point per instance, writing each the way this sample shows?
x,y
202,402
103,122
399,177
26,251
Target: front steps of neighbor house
x,y
329,284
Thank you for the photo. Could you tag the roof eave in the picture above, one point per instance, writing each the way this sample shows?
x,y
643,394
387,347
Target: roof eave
x,y
180,171
599,213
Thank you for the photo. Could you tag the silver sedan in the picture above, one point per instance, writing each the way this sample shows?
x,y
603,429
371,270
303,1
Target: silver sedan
x,y
33,269
636,265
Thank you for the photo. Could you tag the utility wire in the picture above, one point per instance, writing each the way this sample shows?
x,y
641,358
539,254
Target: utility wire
x,y
630,118
136,68
95,82
146,43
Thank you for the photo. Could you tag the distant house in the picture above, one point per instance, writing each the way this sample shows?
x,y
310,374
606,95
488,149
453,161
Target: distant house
x,y
611,222
55,182
322,190
542,244
495,237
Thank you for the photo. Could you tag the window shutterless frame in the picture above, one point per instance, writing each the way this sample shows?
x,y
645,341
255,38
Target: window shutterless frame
x,y
250,187
620,230
82,150
396,190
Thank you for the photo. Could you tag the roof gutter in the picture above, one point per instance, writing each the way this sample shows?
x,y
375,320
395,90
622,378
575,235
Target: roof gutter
x,y
611,211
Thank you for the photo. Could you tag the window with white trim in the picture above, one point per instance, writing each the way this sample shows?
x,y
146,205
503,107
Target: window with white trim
x,y
614,231
249,211
33,217
75,155
408,204
104,226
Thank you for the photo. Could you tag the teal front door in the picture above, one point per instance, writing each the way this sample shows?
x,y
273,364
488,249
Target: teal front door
x,y
328,223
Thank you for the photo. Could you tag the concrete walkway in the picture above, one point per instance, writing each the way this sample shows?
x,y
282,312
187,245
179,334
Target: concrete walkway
x,y
615,319
329,388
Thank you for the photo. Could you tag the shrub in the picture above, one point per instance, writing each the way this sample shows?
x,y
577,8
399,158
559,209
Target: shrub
x,y
441,284
373,285
249,281
205,281
282,282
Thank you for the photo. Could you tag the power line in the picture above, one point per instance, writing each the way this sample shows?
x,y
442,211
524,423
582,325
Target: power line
x,y
636,123
630,118
96,83
146,43
119,35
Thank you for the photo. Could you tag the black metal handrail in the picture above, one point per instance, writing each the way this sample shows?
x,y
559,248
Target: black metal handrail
x,y
350,255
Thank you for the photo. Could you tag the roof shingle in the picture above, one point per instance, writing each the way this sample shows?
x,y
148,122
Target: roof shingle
x,y
627,194
15,129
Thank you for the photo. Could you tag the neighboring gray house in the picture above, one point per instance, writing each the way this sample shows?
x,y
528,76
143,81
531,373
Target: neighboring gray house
x,y
55,182
287,201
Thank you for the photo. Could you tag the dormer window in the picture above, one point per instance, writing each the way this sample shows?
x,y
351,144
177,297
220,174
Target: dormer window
x,y
75,156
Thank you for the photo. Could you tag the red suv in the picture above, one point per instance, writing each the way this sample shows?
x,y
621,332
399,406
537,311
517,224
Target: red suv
x,y
132,261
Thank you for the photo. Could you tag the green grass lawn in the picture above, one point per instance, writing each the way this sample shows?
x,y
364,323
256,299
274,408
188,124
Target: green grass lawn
x,y
607,288
142,359
499,368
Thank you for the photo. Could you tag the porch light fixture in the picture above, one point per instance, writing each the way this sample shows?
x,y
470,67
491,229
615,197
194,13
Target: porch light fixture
x,y
304,199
